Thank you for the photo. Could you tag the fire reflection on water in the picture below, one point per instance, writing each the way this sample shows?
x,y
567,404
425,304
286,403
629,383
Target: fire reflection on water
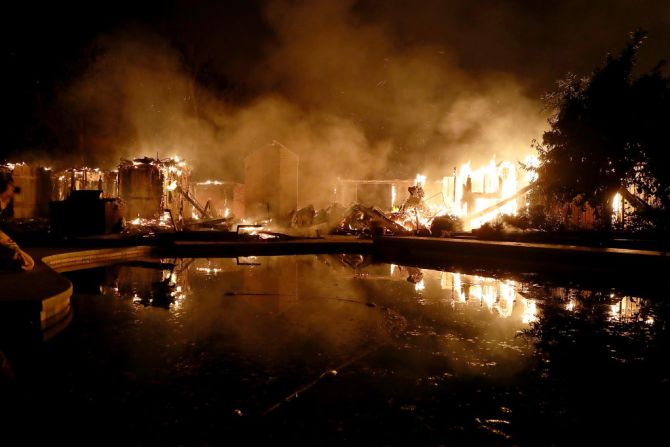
x,y
498,296
167,283
345,301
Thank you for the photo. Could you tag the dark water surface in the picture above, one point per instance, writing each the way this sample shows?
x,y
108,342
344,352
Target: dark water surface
x,y
334,349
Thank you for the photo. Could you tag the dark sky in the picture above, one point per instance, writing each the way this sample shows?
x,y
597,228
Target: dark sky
x,y
45,46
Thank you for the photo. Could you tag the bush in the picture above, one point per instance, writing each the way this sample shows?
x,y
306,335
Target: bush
x,y
445,225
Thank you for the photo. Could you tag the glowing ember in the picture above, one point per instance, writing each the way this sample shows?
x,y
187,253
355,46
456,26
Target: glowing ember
x,y
162,222
209,270
260,231
12,166
211,182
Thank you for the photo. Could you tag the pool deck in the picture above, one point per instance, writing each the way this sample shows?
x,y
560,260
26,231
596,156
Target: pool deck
x,y
44,294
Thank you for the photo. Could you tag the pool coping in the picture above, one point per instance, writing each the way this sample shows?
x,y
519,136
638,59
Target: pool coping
x,y
52,299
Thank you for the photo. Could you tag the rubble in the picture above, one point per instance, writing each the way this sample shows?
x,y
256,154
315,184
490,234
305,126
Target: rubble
x,y
364,220
413,217
303,217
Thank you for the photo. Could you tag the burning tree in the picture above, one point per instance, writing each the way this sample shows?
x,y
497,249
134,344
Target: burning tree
x,y
608,139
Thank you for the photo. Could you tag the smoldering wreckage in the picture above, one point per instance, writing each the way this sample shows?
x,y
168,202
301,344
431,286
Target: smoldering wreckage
x,y
152,196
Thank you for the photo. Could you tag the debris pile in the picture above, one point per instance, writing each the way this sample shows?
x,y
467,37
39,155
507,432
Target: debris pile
x,y
369,221
414,215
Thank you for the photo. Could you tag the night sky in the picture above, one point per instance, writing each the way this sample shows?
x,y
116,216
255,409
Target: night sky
x,y
345,71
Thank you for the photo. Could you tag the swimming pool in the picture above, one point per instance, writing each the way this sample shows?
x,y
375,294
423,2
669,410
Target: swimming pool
x,y
340,348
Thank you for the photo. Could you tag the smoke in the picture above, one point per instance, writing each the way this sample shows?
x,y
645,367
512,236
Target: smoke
x,y
414,99
345,93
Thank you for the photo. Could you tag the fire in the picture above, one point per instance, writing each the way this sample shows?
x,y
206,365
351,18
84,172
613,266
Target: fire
x,y
419,286
163,221
479,189
209,270
211,182
532,162
482,194
476,195
260,231
12,166
617,207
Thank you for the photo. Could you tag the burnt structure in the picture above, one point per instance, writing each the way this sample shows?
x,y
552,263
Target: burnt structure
x,y
149,187
271,183
226,199
36,187
76,179
381,193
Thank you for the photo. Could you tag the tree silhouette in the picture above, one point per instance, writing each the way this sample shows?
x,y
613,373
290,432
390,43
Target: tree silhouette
x,y
609,131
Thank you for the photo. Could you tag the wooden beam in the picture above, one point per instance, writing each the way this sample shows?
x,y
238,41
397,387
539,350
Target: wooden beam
x,y
503,202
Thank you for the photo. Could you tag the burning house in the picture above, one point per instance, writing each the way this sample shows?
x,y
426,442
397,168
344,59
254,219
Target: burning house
x,y
271,183
479,195
474,196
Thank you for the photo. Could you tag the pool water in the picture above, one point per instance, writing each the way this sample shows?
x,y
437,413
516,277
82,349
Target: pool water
x,y
330,349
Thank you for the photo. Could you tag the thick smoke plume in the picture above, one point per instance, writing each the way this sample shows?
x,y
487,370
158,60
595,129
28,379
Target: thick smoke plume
x,y
342,92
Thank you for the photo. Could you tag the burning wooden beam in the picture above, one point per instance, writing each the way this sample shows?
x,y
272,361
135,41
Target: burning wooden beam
x,y
500,204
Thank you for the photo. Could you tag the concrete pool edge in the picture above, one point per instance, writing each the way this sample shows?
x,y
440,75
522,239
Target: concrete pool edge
x,y
45,292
